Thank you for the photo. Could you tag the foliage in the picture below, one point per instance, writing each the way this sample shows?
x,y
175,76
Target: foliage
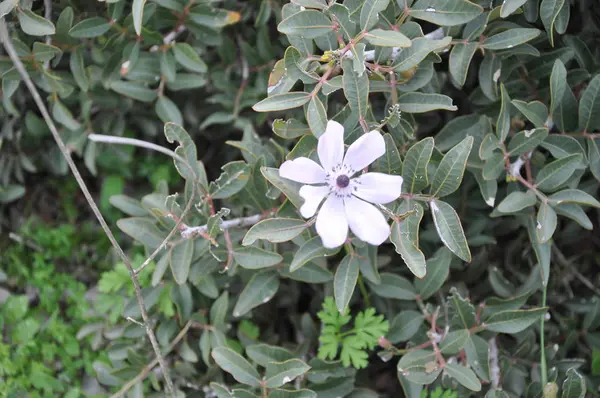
x,y
488,110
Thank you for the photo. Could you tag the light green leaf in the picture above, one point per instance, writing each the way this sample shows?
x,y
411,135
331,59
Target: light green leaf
x,y
263,354
574,196
477,351
143,230
255,258
542,251
556,173
589,106
232,180
137,91
6,6
91,27
549,10
10,193
517,201
494,166
260,289
395,287
575,213
510,6
451,170
302,393
535,111
503,122
510,38
280,102
236,365
405,325
445,12
80,73
454,342
449,229
460,60
412,56
344,282
546,223
63,115
290,128
463,375
356,89
513,321
407,245
369,13
275,230
308,24
416,366
296,64
168,111
288,187
280,373
574,385
188,58
33,24
526,140
44,52
311,249
316,115
414,169
438,268
416,102
387,38
594,157
558,84
390,162
309,273
180,259
137,11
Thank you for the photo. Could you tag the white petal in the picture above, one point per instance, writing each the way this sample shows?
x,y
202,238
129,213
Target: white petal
x,y
365,150
332,225
377,187
331,145
313,196
302,170
367,222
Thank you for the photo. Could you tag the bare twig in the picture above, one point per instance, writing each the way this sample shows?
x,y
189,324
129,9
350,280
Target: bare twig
x,y
241,222
170,37
10,49
494,368
148,368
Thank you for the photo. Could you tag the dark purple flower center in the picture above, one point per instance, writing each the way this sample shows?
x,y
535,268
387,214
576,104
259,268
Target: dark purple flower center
x,y
342,181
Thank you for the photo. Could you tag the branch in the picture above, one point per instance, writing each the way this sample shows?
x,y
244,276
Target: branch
x,y
241,222
494,368
170,37
10,49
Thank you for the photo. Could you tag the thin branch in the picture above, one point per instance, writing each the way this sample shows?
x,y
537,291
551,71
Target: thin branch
x,y
148,368
494,368
10,49
109,139
170,37
241,222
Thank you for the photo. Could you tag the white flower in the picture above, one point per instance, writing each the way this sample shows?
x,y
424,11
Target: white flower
x,y
346,197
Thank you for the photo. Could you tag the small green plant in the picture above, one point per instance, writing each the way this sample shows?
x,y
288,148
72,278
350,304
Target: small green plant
x,y
355,342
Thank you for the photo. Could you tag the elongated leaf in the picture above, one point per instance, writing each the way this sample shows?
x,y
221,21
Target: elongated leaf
x,y
465,376
438,268
395,287
477,351
236,365
412,56
574,196
345,282
416,366
526,140
369,13
546,223
312,248
188,58
137,12
33,24
134,90
510,6
259,290
387,38
574,385
356,89
233,179
460,60
510,38
535,111
407,245
558,84
316,115
451,170
308,24
255,258
517,201
405,325
449,229
513,321
445,12
454,341
542,251
6,6
589,106
556,173
275,230
288,187
390,162
280,373
414,169
180,259
422,102
503,122
91,27
263,354
280,102
549,10
80,74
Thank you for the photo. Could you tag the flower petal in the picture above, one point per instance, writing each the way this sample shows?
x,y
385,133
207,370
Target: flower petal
x,y
377,187
331,145
302,170
313,196
366,221
365,151
332,225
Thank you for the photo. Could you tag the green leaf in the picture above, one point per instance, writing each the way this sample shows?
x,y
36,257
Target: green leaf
x,y
33,24
510,6
589,106
186,150
463,375
369,13
256,258
137,12
477,351
263,354
513,321
188,58
356,89
236,365
556,173
233,179
6,6
454,342
259,290
574,196
460,60
395,287
296,64
416,102
558,84
316,115
405,325
542,251
308,24
80,73
390,162
91,27
387,38
168,111
45,52
546,223
535,111
309,273
451,170
344,282
280,102
412,56
10,193
407,246
275,230
290,128
419,366
302,393
309,250
219,310
134,90
280,373
549,10
288,187
63,115
574,385
414,170
526,140
438,268
445,12
503,122
449,229
510,38
180,259
517,201
594,157
494,166
564,114
143,230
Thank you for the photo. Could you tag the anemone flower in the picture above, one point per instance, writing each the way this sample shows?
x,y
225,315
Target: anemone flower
x,y
347,197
